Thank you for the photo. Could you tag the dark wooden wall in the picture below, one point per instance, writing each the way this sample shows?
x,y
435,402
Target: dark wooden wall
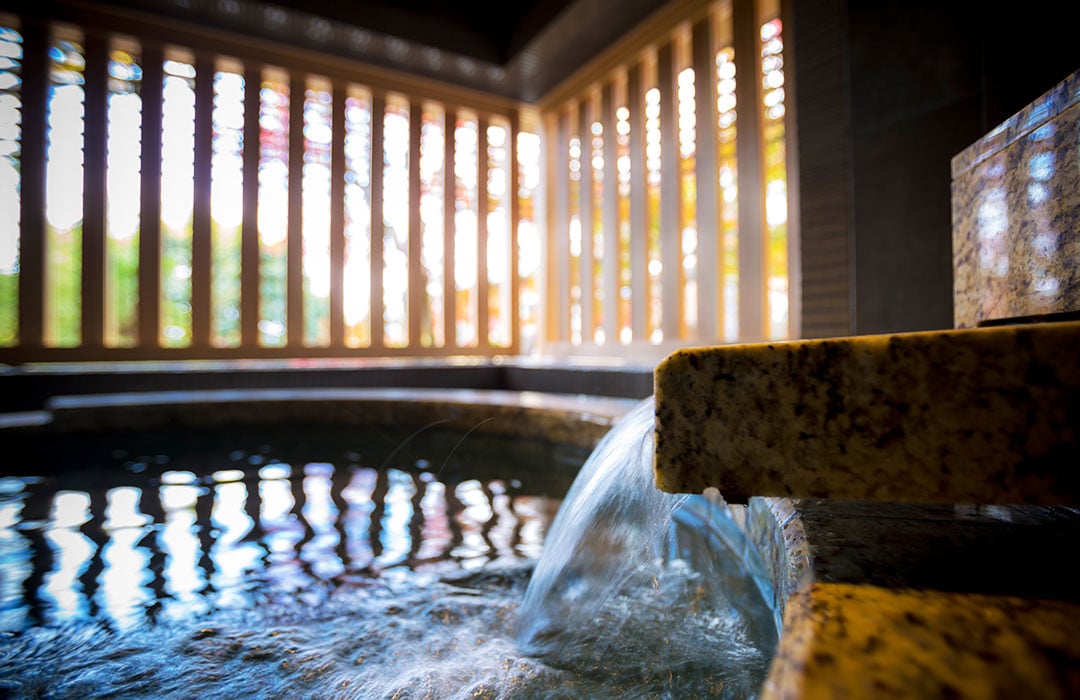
x,y
887,92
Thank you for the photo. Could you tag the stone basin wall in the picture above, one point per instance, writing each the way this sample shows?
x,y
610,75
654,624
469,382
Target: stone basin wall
x,y
1016,214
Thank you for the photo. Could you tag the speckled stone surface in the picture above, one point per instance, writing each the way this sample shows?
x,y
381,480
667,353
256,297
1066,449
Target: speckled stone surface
x,y
1016,214
847,641
988,415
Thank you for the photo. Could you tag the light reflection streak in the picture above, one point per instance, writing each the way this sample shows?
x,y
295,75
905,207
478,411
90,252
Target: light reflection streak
x,y
321,515
182,544
436,533
123,592
232,556
15,556
358,495
395,537
62,587
178,541
477,512
123,509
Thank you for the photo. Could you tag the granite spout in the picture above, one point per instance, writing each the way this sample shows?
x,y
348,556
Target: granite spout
x,y
986,415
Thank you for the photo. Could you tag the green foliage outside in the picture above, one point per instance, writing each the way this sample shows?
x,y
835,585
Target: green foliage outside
x,y
9,309
63,287
316,317
225,286
122,292
64,279
176,287
272,273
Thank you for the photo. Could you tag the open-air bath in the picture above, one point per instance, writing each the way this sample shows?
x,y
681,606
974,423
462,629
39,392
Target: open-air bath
x,y
434,560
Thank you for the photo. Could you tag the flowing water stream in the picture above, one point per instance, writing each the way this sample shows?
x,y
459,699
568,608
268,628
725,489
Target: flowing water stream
x,y
256,574
635,590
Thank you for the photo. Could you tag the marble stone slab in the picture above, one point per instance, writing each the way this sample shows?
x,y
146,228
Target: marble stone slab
x,y
848,641
1016,214
987,415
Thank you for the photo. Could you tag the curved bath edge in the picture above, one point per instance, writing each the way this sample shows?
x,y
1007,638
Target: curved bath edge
x,y
574,420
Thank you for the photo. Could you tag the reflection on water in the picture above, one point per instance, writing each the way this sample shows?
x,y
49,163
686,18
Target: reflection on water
x,y
178,542
323,572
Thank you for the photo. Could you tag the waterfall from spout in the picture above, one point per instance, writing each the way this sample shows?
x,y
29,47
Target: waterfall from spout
x,y
301,572
631,584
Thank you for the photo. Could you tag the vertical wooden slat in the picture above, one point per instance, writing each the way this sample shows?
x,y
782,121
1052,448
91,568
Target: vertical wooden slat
x,y
515,219
294,271
95,137
670,188
150,204
378,117
249,232
201,243
585,216
34,96
417,293
639,295
609,208
482,287
709,263
558,277
791,154
752,289
449,209
337,216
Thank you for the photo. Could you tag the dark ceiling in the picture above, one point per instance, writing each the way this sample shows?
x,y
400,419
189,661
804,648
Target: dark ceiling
x,y
488,31
512,48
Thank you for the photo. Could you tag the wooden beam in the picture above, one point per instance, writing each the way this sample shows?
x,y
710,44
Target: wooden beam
x,y
416,290
483,312
791,154
249,231
670,193
150,199
294,255
515,219
378,226
558,272
639,255
34,154
585,216
337,214
201,241
95,168
449,210
752,288
609,208
710,321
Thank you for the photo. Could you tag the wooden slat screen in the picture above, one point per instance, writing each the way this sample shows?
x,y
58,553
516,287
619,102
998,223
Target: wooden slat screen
x,y
638,231
155,43
675,60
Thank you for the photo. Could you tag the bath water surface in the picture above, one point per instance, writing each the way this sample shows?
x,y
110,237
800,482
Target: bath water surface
x,y
388,564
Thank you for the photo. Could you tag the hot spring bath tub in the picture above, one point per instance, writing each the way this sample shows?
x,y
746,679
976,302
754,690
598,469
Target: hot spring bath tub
x,y
327,542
